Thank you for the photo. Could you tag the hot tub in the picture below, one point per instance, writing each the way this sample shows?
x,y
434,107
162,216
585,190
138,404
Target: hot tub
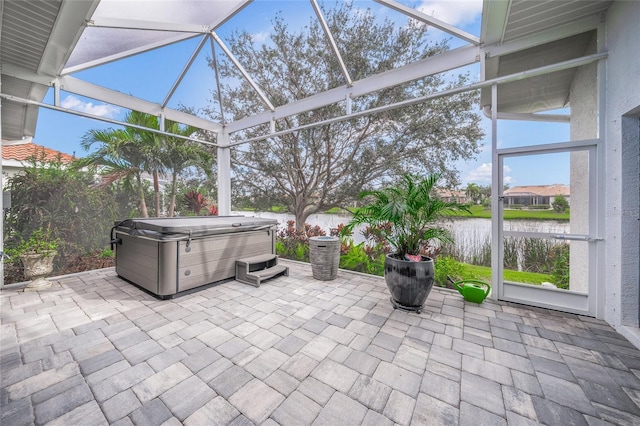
x,y
167,256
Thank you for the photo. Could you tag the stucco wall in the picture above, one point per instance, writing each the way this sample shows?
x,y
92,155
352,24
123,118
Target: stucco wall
x,y
621,198
584,125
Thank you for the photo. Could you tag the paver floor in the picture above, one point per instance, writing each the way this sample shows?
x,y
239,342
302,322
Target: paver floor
x,y
96,350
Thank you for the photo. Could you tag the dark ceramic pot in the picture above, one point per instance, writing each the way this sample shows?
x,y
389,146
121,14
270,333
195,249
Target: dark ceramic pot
x,y
409,282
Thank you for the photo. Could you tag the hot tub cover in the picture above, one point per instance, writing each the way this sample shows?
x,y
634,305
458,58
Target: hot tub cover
x,y
176,228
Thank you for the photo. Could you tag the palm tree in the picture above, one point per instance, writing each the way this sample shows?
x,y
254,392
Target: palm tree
x,y
180,155
473,192
151,148
120,156
412,212
128,153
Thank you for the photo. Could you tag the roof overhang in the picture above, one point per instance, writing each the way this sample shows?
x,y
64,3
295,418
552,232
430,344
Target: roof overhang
x,y
38,38
524,34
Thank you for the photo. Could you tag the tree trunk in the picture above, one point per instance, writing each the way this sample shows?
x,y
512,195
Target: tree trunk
x,y
156,192
143,204
302,214
172,201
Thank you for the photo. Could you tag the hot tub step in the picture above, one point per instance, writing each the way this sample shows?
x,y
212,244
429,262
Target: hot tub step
x,y
254,270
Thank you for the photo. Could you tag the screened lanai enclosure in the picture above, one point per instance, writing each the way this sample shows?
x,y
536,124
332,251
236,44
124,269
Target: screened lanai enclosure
x,y
566,65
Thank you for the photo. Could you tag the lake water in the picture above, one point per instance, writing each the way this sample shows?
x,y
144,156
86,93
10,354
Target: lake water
x,y
465,231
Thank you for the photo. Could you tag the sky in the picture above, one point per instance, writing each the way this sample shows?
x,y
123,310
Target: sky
x,y
151,75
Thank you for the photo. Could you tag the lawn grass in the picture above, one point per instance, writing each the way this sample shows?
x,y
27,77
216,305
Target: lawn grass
x,y
482,213
484,273
338,210
477,212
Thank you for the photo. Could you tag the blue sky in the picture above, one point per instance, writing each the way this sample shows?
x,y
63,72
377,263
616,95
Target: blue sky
x,y
151,75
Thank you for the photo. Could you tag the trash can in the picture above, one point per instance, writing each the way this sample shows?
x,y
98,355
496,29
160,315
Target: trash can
x,y
324,255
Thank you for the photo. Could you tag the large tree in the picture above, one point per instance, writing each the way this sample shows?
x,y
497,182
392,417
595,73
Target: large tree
x,y
319,168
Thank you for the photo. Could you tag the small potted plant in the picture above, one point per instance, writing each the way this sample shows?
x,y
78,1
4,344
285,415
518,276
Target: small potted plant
x,y
37,254
412,212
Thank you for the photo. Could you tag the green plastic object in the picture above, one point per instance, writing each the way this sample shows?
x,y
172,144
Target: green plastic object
x,y
472,290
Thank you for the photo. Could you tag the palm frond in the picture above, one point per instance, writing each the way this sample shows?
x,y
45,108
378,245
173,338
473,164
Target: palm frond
x,y
411,210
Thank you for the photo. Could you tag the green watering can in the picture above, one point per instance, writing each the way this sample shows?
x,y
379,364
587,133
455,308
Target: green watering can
x,y
472,290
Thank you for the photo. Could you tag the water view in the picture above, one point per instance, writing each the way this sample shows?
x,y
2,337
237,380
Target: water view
x,y
467,232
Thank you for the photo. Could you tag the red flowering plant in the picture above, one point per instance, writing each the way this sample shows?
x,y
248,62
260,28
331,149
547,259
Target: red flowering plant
x,y
294,244
195,201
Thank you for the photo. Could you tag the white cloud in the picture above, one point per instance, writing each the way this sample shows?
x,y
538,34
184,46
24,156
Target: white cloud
x,y
454,12
101,110
509,180
259,38
482,175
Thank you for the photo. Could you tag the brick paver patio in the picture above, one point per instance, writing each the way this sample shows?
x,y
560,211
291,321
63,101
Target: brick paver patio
x,y
95,350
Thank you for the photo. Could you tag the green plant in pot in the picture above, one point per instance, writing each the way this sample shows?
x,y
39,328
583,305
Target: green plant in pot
x,y
37,254
412,211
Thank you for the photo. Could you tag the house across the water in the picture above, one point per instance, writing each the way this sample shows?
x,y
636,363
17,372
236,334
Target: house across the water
x,y
539,195
452,196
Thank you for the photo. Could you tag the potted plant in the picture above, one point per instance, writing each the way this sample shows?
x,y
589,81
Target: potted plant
x,y
412,211
37,254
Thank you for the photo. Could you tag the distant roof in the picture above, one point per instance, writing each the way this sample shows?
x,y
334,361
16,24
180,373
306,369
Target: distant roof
x,y
22,152
543,190
447,193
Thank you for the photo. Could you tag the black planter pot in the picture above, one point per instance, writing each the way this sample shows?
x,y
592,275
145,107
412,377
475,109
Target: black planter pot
x,y
409,282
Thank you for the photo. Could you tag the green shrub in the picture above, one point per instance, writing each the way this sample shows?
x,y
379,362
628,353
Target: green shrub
x,y
40,241
294,244
106,254
357,259
560,204
66,203
559,255
510,253
536,255
486,203
447,266
302,252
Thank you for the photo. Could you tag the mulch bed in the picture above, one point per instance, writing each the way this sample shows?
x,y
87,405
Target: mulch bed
x,y
13,272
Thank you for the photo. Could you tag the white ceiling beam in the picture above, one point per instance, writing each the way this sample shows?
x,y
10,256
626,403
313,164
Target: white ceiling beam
x,y
244,72
332,42
572,63
552,34
136,24
24,74
433,65
229,14
65,34
127,53
430,20
93,91
184,71
217,76
97,117
494,20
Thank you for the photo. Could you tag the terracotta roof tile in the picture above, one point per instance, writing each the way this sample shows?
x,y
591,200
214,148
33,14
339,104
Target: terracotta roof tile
x,y
540,190
25,151
447,193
